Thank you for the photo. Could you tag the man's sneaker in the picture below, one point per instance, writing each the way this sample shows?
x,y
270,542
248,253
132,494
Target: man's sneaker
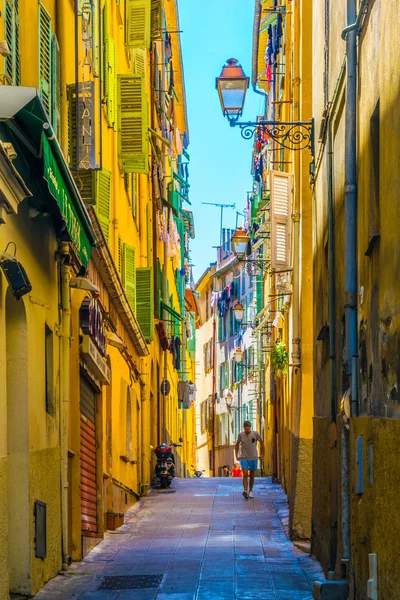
x,y
251,495
245,495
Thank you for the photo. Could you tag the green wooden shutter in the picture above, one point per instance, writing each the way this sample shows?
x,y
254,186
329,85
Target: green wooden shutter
x,y
220,329
55,86
86,185
156,19
130,275
149,235
45,57
192,341
119,257
240,372
138,17
139,61
260,294
231,325
133,140
11,33
226,374
103,200
145,301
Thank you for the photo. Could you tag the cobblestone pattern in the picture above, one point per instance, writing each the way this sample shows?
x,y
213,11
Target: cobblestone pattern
x,y
207,541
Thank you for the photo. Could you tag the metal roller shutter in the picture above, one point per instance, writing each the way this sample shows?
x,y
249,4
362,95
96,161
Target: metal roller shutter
x,y
88,458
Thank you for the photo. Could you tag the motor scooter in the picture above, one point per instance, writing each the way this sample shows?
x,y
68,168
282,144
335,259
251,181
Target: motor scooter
x,y
165,466
197,472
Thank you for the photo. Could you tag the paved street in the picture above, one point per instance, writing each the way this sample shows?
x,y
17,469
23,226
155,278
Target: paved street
x,y
204,541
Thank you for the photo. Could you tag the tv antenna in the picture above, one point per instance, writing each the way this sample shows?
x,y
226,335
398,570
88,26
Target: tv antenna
x,y
222,207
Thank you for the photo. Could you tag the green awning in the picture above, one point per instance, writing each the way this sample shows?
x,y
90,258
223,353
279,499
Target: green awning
x,y
59,191
22,110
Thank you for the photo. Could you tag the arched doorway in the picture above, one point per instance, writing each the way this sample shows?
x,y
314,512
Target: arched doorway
x,y
17,445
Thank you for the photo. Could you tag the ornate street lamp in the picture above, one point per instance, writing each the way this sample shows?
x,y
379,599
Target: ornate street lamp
x,y
228,399
240,243
238,311
232,85
238,355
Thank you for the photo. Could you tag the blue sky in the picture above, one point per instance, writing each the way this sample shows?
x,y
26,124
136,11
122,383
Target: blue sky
x,y
212,32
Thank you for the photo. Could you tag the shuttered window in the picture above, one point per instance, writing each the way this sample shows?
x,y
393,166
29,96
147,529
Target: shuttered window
x,y
133,141
139,61
45,57
110,80
149,234
145,301
55,86
11,34
130,275
260,294
138,18
160,286
103,200
156,19
281,208
119,257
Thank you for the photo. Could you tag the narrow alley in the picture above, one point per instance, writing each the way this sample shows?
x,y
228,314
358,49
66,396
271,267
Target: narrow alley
x,y
199,540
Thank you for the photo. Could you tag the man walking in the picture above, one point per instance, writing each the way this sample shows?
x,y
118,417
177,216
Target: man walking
x,y
246,451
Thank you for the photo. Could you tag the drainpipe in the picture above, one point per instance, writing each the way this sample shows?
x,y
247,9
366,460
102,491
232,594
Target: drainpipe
x,y
351,206
331,271
213,388
65,331
350,267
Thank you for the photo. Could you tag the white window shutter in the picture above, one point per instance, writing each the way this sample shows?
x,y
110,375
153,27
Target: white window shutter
x,y
281,218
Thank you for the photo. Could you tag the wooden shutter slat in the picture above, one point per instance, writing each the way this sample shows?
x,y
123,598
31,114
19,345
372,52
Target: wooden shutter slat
x,y
156,19
130,275
103,200
145,301
55,86
138,25
133,142
45,57
281,207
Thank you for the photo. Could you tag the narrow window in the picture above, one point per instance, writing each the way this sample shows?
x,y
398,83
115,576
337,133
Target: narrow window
x,y
374,218
49,367
128,425
11,34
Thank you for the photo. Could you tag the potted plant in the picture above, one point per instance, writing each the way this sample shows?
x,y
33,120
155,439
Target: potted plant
x,y
279,359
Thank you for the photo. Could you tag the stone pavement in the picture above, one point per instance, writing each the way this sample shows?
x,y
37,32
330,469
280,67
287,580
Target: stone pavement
x,y
204,541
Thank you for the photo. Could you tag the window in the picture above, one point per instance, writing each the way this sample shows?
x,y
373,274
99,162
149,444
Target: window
x,y
133,139
129,275
45,57
128,425
49,367
374,217
11,34
145,301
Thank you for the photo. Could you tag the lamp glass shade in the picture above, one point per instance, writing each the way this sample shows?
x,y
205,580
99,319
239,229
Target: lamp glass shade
x,y
232,85
238,355
240,242
228,398
238,311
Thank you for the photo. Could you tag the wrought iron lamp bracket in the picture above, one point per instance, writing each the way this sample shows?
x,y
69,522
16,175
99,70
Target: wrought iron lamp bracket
x,y
292,135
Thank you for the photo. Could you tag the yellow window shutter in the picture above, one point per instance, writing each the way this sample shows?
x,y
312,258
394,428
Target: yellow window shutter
x,y
156,19
281,212
133,138
145,301
103,200
138,17
140,60
130,275
111,84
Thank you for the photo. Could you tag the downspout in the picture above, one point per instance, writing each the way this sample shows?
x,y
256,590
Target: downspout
x,y
213,389
350,266
351,275
65,332
331,271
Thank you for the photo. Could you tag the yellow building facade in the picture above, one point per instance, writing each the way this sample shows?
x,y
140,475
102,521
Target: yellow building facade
x,y
282,214
356,417
94,184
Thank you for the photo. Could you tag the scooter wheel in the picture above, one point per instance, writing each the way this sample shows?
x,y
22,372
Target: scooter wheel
x,y
164,483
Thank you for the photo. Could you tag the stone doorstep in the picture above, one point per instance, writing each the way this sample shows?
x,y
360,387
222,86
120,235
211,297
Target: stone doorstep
x,y
331,590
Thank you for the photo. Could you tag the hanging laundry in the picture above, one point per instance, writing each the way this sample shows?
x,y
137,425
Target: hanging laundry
x,y
183,393
192,392
168,46
178,141
177,362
